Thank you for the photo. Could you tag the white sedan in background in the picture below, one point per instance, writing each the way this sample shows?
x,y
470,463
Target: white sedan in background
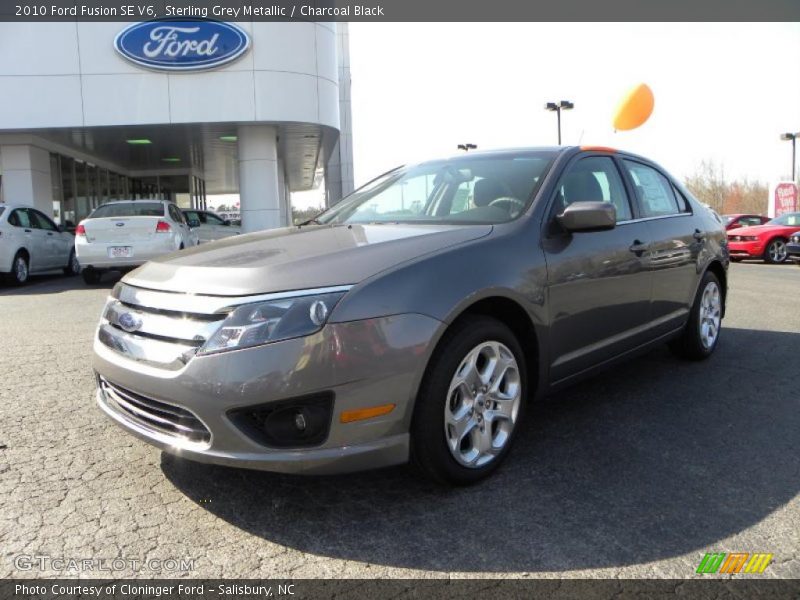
x,y
30,242
210,226
128,233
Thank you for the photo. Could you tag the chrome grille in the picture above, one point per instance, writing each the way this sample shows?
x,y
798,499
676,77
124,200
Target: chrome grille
x,y
154,415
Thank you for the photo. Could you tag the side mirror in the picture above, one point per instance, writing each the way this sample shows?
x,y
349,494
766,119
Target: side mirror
x,y
226,222
61,228
588,216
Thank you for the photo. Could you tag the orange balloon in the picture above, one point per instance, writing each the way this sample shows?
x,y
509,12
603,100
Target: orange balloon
x,y
635,108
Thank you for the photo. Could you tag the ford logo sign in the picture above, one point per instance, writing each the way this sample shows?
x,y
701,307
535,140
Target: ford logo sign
x,y
129,322
190,44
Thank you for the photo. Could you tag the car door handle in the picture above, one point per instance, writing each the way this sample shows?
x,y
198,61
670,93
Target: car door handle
x,y
638,247
27,231
49,233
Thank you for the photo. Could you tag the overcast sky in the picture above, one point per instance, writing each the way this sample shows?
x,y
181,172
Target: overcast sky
x,y
722,91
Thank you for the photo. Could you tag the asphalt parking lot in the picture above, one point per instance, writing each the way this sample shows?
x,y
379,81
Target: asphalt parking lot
x,y
636,473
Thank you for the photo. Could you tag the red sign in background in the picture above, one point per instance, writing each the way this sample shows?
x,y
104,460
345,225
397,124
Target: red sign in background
x,y
785,198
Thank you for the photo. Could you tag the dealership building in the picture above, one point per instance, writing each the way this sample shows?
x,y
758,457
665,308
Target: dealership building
x,y
180,110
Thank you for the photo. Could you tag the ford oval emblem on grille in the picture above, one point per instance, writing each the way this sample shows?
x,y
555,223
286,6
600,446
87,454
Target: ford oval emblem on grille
x,y
129,322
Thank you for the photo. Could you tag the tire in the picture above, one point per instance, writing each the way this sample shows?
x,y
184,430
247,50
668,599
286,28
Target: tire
x,y
775,252
91,276
490,433
20,269
701,333
73,266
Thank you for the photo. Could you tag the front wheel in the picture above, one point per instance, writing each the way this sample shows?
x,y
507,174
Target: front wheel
x,y
776,252
470,404
701,333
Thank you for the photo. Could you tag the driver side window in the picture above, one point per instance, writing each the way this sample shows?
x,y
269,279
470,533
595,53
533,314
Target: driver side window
x,y
593,179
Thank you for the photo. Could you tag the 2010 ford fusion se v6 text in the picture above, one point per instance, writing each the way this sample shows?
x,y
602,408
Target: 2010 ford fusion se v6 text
x,y
415,319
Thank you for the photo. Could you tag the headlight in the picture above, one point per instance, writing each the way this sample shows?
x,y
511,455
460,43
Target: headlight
x,y
264,322
796,239
750,238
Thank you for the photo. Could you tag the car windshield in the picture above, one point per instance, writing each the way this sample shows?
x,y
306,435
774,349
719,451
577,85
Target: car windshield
x,y
787,219
469,189
129,209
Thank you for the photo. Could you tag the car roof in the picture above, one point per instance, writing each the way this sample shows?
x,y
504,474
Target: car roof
x,y
132,200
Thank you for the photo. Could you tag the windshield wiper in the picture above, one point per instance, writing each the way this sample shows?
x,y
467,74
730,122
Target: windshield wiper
x,y
309,222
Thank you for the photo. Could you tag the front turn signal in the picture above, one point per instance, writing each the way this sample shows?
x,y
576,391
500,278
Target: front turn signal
x,y
360,414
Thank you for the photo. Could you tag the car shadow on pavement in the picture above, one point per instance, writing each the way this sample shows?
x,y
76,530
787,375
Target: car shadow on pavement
x,y
653,459
56,283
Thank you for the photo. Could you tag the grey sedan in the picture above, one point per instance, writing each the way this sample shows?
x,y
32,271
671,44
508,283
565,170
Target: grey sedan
x,y
416,319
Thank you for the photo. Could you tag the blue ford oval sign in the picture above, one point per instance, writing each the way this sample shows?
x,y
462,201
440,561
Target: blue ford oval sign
x,y
190,44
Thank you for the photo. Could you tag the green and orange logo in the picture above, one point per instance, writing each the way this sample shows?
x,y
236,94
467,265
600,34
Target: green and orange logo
x,y
734,562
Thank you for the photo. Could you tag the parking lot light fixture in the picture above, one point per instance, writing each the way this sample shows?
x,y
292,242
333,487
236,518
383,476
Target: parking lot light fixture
x,y
793,138
557,108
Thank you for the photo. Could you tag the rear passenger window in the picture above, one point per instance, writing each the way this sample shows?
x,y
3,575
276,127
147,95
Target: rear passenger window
x,y
655,192
20,218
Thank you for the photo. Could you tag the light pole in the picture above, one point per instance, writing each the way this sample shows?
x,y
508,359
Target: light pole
x,y
793,137
467,147
557,108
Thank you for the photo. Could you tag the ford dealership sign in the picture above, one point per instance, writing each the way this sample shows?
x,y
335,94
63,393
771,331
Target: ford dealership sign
x,y
190,44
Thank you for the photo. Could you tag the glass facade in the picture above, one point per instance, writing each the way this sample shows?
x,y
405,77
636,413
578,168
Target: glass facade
x,y
79,187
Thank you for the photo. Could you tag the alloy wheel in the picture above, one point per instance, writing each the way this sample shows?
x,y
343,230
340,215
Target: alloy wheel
x,y
482,404
21,269
777,251
710,314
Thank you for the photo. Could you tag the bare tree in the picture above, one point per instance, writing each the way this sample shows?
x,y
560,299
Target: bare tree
x,y
708,185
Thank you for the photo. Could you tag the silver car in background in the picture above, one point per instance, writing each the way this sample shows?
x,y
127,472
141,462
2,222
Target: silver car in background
x,y
209,226
128,233
30,242
416,318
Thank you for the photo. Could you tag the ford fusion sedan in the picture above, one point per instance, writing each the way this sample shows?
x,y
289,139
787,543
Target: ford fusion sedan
x,y
417,318
128,233
30,242
767,242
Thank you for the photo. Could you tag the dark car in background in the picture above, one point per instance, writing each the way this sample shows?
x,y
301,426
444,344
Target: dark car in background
x,y
793,248
416,318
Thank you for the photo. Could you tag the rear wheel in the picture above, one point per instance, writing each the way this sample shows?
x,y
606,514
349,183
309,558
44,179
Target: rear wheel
x,y
776,252
20,269
470,404
91,276
73,266
701,334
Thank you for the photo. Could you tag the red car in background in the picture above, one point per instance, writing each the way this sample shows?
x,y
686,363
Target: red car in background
x,y
735,221
766,241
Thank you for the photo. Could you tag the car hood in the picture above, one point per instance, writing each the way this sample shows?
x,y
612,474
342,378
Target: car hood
x,y
295,258
756,229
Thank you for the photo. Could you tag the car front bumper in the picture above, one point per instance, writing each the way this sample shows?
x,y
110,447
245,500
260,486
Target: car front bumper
x,y
361,364
753,249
